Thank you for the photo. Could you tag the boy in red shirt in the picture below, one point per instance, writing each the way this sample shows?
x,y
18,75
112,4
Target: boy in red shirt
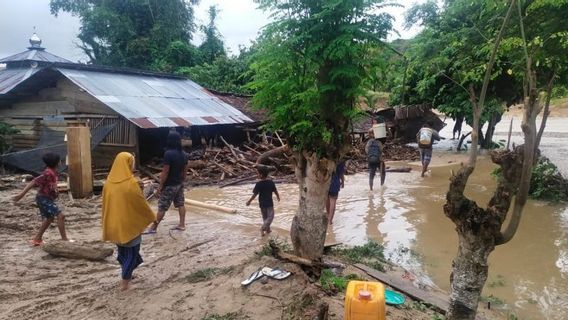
x,y
45,198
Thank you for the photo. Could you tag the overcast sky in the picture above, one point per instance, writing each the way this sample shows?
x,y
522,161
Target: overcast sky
x,y
239,23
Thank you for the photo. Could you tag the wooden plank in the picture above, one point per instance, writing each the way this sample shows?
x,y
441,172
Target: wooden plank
x,y
46,108
437,303
79,161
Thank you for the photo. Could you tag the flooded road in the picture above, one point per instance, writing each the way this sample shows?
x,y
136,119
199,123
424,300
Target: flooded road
x,y
530,274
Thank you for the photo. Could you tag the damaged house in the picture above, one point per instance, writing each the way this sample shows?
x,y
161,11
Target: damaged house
x,y
125,109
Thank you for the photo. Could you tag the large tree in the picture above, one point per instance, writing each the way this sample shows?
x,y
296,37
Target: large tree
x,y
450,55
131,33
212,46
539,64
308,74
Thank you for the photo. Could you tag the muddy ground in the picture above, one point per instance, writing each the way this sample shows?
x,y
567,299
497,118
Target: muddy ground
x,y
36,285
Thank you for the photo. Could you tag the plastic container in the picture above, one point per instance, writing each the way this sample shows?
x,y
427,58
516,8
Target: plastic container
x,y
425,136
365,300
380,130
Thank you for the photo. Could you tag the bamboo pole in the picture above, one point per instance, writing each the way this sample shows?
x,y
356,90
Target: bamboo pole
x,y
210,206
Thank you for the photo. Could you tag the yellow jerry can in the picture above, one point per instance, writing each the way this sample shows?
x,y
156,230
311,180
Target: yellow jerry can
x,y
365,300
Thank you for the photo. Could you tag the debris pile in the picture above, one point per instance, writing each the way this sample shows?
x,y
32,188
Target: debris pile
x,y
232,165
391,151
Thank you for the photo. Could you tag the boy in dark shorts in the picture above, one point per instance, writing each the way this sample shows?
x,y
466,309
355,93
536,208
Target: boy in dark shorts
x,y
264,189
46,195
171,187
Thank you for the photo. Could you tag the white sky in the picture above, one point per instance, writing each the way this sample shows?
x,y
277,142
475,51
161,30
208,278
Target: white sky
x,y
239,22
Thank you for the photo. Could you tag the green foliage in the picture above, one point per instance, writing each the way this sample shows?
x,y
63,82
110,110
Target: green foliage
x,y
371,254
266,250
334,284
130,33
492,300
5,131
450,55
225,74
206,274
498,282
226,316
212,47
547,183
311,65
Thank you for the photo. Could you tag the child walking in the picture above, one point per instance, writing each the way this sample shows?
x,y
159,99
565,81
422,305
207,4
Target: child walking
x,y
264,189
46,195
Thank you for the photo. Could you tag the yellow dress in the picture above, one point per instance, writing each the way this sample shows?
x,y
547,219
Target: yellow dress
x,y
126,212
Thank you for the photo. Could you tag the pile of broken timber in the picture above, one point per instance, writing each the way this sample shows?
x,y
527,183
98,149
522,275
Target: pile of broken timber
x,y
392,151
231,165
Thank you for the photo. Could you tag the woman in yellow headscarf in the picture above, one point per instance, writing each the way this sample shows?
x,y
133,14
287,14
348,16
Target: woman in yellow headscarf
x,y
126,214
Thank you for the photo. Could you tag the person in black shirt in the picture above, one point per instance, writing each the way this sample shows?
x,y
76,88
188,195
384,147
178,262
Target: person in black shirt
x,y
171,182
264,189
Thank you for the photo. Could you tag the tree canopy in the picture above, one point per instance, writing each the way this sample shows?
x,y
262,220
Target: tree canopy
x,y
447,59
212,47
131,33
310,67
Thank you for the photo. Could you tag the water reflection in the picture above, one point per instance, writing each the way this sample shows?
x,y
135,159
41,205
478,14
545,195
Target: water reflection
x,y
530,273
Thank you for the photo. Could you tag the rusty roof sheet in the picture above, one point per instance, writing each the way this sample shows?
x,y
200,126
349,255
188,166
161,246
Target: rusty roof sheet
x,y
153,102
10,78
34,55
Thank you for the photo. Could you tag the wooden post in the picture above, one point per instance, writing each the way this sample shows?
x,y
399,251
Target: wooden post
x,y
79,159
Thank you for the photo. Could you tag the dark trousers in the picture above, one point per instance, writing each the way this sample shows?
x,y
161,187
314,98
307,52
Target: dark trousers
x,y
372,171
129,258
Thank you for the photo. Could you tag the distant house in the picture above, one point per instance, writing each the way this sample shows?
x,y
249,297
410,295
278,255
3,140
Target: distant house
x,y
40,90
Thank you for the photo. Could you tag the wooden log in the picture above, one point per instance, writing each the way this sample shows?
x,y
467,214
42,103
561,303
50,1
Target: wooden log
x,y
237,181
150,174
72,250
197,164
438,304
263,158
79,160
401,169
210,206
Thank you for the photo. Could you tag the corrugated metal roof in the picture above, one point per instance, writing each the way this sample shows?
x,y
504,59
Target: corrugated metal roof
x,y
34,55
153,102
10,78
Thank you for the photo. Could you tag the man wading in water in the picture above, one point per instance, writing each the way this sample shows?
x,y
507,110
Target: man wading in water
x,y
425,139
373,150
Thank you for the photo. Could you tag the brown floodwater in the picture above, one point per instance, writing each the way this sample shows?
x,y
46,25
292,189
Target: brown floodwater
x,y
530,273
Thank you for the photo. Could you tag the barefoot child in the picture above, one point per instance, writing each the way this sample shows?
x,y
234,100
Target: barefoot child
x,y
264,189
45,198
125,214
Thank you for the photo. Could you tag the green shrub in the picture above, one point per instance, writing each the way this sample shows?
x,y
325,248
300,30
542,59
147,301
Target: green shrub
x,y
371,254
5,131
332,283
547,183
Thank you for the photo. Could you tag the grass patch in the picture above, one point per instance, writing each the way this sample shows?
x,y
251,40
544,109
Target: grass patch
x,y
298,306
498,282
333,284
206,274
266,250
226,316
371,254
492,300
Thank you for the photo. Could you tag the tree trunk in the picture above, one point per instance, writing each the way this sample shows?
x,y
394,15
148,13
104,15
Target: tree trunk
x,y
310,222
469,274
488,139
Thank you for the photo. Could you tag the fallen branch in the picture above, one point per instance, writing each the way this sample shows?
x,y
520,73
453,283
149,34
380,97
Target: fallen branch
x,y
209,206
